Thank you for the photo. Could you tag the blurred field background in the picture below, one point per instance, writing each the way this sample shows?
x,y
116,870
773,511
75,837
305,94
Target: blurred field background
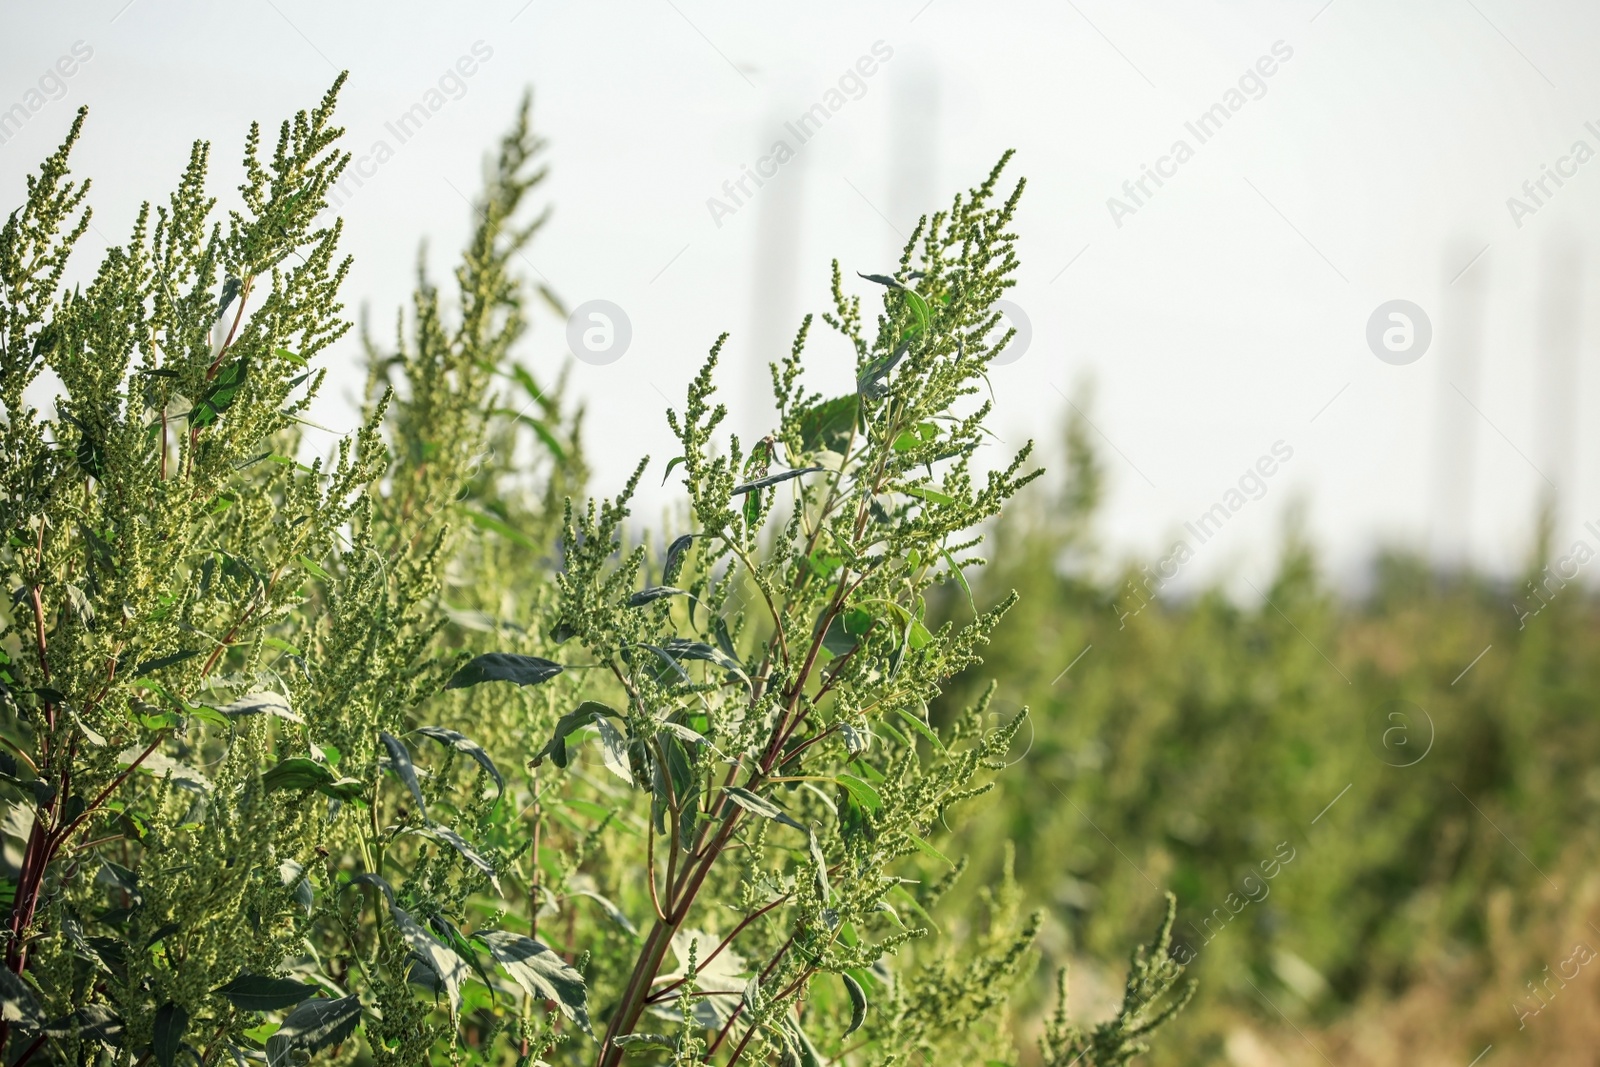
x,y
1441,819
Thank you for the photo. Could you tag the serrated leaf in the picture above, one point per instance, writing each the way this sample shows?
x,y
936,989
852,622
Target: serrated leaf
x,y
462,743
541,972
759,805
314,1025
504,667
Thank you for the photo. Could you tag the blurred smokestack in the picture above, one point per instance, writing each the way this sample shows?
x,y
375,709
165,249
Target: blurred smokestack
x,y
1460,334
913,149
1559,328
775,308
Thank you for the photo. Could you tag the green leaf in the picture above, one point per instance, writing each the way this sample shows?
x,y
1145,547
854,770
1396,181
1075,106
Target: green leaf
x,y
830,425
299,772
922,728
824,891
314,568
259,992
671,463
220,395
675,553
151,665
440,958
464,847
759,805
922,492
462,743
261,703
504,667
773,479
654,593
858,1004
613,749
846,630
166,1038
861,792
541,972
870,382
556,747
400,763
614,913
314,1025
494,525
928,849
17,1002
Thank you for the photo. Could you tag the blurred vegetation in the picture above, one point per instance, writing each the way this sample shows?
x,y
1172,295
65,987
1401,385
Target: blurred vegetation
x,y
1439,820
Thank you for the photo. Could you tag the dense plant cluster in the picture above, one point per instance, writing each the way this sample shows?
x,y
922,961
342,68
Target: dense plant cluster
x,y
414,753
1424,752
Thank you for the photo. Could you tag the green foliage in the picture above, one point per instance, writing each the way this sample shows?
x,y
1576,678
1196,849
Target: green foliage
x,y
1202,741
402,755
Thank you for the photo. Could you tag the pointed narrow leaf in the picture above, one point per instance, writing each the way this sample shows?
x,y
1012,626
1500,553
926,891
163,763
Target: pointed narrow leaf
x,y
674,560
504,667
614,913
462,743
858,1004
400,763
613,749
541,972
773,479
441,958
758,805
166,1038
258,992
440,832
812,845
556,748
314,1025
654,593
259,704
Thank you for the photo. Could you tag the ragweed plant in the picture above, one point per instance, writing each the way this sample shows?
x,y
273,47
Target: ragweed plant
x,y
394,757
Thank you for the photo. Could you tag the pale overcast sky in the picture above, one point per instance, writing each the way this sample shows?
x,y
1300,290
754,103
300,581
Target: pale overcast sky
x,y
1356,153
